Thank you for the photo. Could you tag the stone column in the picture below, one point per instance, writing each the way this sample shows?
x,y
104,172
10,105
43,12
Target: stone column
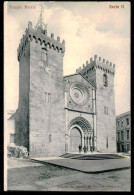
x,y
91,140
67,143
87,142
82,142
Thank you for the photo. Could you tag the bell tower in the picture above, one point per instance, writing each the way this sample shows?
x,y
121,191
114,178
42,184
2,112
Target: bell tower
x,y
40,119
100,73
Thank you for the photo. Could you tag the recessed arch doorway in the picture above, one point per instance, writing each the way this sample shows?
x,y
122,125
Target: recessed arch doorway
x,y
80,133
75,138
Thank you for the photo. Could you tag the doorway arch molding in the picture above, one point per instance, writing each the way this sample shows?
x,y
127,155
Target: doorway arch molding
x,y
85,130
82,124
78,127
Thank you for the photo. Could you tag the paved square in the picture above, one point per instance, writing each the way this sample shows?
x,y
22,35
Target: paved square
x,y
46,177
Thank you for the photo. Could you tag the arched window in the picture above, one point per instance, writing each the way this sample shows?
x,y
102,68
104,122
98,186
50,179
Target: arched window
x,y
44,54
105,80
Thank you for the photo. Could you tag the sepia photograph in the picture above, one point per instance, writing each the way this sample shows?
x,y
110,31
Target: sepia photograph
x,y
67,117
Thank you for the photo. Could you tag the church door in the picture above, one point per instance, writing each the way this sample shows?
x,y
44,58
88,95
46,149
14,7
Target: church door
x,y
75,140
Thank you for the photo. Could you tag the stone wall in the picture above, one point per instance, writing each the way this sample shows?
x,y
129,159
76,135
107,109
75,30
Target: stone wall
x,y
106,131
22,114
105,123
47,115
44,114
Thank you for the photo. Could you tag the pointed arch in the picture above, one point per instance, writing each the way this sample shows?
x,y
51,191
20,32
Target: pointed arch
x,y
82,123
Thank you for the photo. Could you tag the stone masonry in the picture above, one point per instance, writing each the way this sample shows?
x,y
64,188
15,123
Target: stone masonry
x,y
94,71
52,107
41,94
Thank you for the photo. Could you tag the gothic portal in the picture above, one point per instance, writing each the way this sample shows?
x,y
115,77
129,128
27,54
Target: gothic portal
x,y
80,133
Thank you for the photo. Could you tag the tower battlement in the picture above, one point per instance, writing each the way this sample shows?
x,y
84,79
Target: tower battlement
x,y
97,63
40,36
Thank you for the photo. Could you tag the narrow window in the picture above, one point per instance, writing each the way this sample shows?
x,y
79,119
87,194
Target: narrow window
x,y
127,134
105,80
118,136
118,148
127,121
106,110
44,55
122,148
118,123
122,123
45,96
50,138
49,97
107,141
122,135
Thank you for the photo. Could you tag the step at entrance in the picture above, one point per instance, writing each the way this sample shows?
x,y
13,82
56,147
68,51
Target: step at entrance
x,y
91,156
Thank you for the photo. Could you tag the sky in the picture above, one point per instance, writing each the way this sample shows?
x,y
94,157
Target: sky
x,y
88,28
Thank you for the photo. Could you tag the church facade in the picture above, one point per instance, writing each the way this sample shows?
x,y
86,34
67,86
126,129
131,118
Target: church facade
x,y
58,114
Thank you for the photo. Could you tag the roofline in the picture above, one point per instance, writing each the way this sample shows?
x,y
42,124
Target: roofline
x,y
123,114
70,75
87,80
81,75
11,111
13,115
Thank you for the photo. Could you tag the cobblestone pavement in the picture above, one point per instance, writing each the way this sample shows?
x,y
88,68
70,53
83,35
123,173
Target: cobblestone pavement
x,y
45,177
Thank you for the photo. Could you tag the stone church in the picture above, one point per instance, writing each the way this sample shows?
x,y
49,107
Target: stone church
x,y
58,113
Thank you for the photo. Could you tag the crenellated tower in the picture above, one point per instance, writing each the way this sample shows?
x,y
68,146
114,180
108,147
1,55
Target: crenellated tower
x,y
100,73
40,120
45,113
